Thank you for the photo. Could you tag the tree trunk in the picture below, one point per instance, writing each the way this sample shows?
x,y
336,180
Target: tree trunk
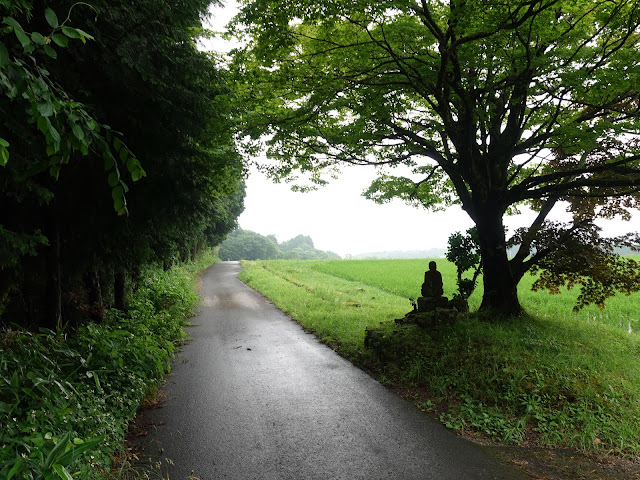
x,y
94,294
120,290
500,284
92,284
5,285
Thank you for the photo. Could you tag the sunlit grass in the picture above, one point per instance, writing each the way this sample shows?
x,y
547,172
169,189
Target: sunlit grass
x,y
337,310
404,277
552,377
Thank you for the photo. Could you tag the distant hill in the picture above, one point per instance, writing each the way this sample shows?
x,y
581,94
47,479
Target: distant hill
x,y
247,245
431,253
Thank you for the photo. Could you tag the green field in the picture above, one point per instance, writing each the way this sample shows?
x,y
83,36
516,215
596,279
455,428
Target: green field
x,y
551,377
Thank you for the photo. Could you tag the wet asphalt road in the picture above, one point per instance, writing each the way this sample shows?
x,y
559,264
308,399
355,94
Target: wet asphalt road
x,y
255,397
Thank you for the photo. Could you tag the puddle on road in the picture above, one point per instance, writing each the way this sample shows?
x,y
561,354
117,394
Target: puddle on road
x,y
234,300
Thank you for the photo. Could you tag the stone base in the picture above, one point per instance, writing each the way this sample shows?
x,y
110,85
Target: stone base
x,y
459,304
429,304
429,319
436,317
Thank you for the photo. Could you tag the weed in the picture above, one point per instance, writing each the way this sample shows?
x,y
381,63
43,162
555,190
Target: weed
x,y
66,398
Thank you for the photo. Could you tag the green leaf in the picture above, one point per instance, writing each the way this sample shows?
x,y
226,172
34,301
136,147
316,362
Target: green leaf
x,y
4,156
54,170
71,32
60,39
62,472
97,382
4,55
38,39
11,22
135,169
14,469
45,109
113,179
48,474
84,34
108,162
117,193
24,38
57,452
119,203
44,124
50,51
77,132
52,18
54,134
3,142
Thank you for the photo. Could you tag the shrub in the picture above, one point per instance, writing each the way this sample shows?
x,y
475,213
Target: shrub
x,y
66,398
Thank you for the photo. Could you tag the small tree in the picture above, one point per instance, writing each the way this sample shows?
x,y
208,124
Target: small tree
x,y
464,252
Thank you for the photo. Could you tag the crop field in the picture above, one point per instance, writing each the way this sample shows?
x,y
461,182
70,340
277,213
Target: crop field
x,y
550,378
402,278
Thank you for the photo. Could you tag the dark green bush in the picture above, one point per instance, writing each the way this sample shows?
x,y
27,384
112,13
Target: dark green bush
x,y
66,398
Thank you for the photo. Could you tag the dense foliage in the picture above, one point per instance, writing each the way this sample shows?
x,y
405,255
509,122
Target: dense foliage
x,y
464,252
487,104
77,83
66,399
247,245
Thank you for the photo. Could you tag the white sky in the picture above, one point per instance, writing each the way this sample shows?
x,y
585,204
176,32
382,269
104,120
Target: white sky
x,y
339,219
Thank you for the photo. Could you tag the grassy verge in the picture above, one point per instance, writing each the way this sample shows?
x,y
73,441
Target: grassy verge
x,y
550,378
337,310
66,398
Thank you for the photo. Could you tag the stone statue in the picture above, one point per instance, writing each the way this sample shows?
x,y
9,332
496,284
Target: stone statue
x,y
432,286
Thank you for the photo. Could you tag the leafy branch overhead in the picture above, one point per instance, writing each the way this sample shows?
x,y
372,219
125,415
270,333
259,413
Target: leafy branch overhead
x,y
65,124
489,105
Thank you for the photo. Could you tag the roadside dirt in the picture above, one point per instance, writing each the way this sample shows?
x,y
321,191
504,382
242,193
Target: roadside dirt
x,y
546,463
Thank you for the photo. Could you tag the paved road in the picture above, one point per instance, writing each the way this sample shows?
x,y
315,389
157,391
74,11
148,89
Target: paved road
x,y
255,397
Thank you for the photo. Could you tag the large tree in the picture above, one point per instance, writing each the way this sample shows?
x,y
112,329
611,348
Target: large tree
x,y
490,104
61,240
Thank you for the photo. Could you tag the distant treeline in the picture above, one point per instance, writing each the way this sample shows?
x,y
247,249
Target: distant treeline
x,y
248,245
400,254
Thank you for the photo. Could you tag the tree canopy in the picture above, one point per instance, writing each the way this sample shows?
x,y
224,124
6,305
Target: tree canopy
x,y
490,105
96,97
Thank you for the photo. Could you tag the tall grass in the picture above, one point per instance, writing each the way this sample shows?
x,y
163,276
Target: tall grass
x,y
551,377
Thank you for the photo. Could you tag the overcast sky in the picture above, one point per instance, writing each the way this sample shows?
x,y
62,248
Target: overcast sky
x,y
339,219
